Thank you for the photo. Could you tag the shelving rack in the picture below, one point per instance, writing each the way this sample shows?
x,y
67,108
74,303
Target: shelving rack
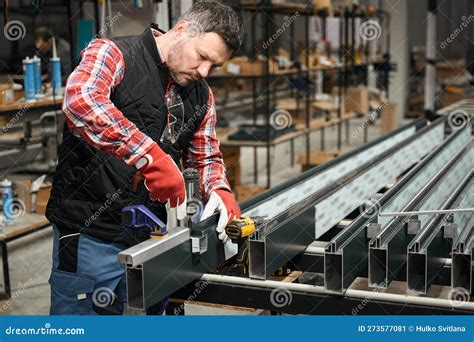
x,y
266,94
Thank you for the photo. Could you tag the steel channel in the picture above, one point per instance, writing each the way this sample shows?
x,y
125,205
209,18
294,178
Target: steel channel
x,y
158,277
387,250
346,255
462,270
427,169
151,248
427,250
149,283
293,230
360,222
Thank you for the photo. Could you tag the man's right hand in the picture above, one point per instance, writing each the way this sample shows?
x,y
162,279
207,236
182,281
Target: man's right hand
x,y
163,179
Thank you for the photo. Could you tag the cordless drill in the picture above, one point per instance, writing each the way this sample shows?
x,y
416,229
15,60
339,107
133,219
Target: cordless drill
x,y
239,231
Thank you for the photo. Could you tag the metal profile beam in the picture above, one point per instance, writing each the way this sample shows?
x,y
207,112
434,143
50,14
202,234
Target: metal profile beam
x,y
462,270
387,250
428,250
290,232
346,255
162,275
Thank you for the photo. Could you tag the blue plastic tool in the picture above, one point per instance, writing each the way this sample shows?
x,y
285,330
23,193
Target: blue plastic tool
x,y
139,216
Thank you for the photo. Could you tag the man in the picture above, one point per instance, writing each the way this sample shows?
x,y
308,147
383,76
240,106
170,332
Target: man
x,y
135,103
44,50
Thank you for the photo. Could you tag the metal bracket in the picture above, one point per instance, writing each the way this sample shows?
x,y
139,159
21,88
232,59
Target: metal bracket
x,y
373,229
199,244
450,230
413,226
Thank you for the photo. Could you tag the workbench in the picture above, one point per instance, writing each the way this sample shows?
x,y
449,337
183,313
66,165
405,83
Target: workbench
x,y
25,224
40,105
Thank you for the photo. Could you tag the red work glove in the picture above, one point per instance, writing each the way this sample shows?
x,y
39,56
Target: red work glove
x,y
163,179
223,200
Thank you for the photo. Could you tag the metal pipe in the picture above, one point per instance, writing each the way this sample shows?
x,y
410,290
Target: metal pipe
x,y
390,297
427,212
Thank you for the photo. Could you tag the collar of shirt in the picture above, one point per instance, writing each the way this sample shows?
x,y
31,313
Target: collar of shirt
x,y
157,33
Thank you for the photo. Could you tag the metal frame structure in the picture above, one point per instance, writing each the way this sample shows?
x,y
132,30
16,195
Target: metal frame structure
x,y
416,167
267,11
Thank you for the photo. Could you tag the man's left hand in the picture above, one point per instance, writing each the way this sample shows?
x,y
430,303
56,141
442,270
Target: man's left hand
x,y
224,201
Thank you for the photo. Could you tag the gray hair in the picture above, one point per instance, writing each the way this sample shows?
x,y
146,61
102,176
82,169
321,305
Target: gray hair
x,y
216,17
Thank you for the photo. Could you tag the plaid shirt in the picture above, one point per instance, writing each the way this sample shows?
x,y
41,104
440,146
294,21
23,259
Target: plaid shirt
x,y
91,115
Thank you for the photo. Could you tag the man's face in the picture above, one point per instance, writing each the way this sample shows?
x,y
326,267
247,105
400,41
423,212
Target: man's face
x,y
192,58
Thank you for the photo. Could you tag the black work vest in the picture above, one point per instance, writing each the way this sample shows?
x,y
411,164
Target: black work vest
x,y
90,187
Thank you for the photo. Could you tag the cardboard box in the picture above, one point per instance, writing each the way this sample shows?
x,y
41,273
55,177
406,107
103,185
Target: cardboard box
x,y
233,174
22,188
7,95
42,198
389,119
453,67
322,3
316,158
244,192
450,98
44,193
312,56
41,208
231,157
242,66
357,100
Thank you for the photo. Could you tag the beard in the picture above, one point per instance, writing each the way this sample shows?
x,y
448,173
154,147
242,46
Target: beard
x,y
175,62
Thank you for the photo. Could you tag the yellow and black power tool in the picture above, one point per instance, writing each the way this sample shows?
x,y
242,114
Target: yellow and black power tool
x,y
239,231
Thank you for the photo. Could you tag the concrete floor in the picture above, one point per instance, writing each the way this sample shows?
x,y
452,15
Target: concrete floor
x,y
30,256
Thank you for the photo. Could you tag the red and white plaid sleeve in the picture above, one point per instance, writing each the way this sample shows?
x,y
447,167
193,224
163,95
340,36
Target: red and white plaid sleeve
x,y
89,111
203,154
